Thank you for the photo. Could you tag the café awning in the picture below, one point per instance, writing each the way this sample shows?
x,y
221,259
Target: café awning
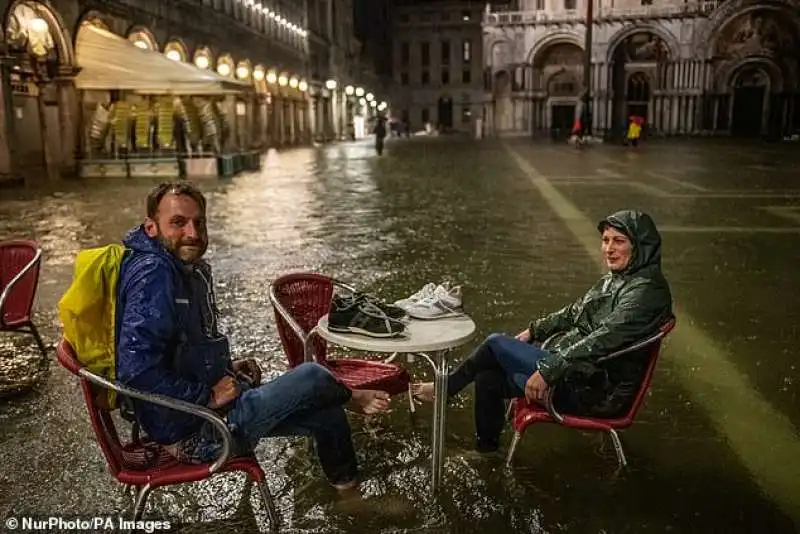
x,y
110,62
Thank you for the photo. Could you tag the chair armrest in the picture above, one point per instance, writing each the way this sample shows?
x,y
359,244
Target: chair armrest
x,y
7,290
174,404
636,346
286,316
550,407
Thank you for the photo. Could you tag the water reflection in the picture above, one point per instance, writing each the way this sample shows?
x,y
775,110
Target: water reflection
x,y
424,211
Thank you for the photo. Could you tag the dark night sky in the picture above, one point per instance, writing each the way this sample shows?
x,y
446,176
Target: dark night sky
x,y
372,28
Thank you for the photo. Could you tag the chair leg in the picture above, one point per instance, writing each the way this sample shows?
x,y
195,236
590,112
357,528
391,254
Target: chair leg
x,y
269,504
513,447
141,502
39,341
618,448
411,405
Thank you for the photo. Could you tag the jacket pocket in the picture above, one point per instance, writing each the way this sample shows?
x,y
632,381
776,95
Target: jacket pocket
x,y
205,361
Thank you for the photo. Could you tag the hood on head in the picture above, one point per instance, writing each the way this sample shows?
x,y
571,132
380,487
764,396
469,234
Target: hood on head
x,y
642,231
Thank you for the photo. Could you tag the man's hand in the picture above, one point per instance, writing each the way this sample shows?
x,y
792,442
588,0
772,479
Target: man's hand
x,y
249,368
536,388
223,392
525,335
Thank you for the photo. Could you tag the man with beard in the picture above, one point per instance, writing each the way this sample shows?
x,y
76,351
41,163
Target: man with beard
x,y
168,343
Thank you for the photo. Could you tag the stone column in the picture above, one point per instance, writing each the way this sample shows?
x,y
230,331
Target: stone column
x,y
7,130
292,125
229,106
69,121
51,166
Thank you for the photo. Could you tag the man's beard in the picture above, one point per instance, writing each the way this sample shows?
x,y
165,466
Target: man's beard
x,y
180,248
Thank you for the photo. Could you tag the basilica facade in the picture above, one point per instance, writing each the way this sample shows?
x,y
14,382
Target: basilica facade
x,y
690,68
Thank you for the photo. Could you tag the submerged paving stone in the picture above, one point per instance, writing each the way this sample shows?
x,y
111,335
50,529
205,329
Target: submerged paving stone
x,y
449,209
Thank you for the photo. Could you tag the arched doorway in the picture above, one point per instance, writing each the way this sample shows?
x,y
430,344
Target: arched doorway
x,y
754,55
445,113
557,77
750,93
635,62
501,95
40,51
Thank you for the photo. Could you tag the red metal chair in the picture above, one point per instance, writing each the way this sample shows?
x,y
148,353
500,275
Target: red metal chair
x,y
300,300
144,464
526,414
20,263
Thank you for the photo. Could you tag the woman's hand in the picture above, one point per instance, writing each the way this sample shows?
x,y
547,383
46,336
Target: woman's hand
x,y
525,336
536,389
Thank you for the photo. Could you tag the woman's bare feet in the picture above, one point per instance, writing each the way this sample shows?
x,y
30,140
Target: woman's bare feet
x,y
368,401
423,391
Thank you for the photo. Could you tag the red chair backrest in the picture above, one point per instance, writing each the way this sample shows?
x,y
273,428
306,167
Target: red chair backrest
x,y
653,352
307,298
14,256
101,418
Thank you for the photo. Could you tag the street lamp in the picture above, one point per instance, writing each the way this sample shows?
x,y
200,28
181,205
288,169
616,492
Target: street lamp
x,y
272,77
331,84
303,86
359,92
283,80
293,83
370,97
349,90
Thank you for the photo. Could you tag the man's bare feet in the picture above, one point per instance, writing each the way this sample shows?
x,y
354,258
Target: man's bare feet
x,y
423,391
368,401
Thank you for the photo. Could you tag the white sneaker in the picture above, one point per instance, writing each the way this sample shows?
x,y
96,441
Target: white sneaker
x,y
426,292
443,303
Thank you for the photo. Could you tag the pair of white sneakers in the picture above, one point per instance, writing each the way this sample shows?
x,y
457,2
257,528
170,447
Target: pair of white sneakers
x,y
434,302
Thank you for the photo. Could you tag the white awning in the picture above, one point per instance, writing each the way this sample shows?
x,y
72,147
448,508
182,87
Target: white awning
x,y
109,62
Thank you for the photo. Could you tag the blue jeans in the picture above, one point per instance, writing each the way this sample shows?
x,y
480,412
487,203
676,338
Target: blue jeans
x,y
305,401
500,367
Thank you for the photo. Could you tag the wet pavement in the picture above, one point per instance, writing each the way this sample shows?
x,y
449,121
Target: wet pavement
x,y
715,447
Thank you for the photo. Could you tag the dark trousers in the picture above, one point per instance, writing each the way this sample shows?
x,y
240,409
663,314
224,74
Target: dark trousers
x,y
379,144
305,401
500,367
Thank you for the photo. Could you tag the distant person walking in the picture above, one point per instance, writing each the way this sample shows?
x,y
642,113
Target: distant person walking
x,y
380,133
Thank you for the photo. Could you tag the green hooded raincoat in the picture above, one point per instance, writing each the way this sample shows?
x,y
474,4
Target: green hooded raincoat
x,y
619,310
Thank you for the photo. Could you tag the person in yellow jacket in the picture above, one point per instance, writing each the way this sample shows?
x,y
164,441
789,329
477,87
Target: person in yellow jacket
x,y
634,130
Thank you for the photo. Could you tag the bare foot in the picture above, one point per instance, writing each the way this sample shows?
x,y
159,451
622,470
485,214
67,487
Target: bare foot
x,y
369,402
423,391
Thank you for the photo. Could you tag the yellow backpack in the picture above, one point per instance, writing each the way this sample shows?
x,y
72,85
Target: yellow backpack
x,y
88,310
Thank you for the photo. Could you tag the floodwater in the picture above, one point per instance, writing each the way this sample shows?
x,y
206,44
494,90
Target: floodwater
x,y
715,448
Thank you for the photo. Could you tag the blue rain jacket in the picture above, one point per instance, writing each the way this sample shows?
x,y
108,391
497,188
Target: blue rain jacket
x,y
167,338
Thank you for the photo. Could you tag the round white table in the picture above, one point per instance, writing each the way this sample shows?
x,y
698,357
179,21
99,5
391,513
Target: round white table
x,y
420,337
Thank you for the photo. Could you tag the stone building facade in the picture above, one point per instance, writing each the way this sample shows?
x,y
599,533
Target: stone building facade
x,y
690,68
437,51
